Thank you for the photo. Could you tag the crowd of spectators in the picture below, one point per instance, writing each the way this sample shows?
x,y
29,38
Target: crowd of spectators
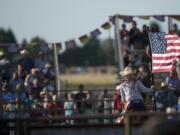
x,y
27,88
134,40
24,83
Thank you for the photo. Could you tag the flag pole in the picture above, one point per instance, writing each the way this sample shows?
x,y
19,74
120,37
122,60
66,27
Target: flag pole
x,y
152,75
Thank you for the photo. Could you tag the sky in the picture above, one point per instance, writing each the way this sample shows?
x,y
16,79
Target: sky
x,y
62,20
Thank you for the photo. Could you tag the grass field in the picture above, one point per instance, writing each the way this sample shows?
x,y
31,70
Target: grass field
x,y
90,80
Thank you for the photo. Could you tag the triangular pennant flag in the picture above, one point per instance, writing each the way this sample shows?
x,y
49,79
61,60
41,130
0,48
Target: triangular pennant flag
x,y
70,44
106,25
13,48
95,33
126,19
160,18
58,45
112,19
176,17
144,17
84,39
44,47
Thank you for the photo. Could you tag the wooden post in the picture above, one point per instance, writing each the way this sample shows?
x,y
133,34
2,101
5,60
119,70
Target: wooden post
x,y
127,121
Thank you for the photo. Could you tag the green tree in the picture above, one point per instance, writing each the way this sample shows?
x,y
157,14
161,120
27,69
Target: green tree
x,y
34,44
94,53
7,36
106,52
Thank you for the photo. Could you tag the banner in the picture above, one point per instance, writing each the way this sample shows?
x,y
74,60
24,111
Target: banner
x,y
126,19
95,33
144,17
176,18
106,26
70,44
84,39
160,18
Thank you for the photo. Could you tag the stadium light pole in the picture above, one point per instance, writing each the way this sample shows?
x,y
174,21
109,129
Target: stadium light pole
x,y
118,46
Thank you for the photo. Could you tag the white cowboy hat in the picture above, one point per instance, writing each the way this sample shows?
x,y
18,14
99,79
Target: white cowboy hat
x,y
118,87
24,51
47,65
127,71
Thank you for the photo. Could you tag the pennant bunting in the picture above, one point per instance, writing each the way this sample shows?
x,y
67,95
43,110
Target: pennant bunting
x,y
106,25
112,19
144,17
160,18
95,33
176,18
126,19
44,47
13,48
6,49
58,45
70,44
84,39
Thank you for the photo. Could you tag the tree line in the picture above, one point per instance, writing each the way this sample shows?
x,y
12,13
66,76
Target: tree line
x,y
95,52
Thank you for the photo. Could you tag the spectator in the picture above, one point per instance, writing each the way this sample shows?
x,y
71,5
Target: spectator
x,y
7,95
21,99
49,75
55,108
124,37
172,81
144,36
15,81
134,35
34,75
40,61
137,60
6,73
21,72
70,107
144,75
80,98
117,105
88,103
26,60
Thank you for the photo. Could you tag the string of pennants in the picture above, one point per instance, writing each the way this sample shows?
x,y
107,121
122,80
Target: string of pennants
x,y
95,33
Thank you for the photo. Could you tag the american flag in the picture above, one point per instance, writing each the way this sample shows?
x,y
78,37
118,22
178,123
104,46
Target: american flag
x,y
165,50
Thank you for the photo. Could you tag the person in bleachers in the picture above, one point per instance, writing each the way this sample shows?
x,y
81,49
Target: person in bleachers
x,y
70,107
124,37
26,60
134,35
80,98
144,75
173,82
40,61
30,79
144,36
21,72
117,104
15,81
